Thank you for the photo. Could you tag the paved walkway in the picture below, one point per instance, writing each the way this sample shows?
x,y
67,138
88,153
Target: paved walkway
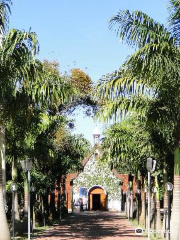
x,y
93,225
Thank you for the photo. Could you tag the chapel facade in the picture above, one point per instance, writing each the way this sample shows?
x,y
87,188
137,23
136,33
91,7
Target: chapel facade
x,y
98,187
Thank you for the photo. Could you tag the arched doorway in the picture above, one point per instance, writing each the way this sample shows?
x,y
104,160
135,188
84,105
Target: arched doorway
x,y
97,198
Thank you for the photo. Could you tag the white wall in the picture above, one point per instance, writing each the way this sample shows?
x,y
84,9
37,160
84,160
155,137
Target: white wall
x,y
114,205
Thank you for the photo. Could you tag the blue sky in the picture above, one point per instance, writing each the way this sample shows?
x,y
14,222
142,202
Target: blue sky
x,y
76,34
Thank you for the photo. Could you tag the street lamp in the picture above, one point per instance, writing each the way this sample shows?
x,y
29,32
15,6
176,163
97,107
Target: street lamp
x,y
169,188
150,166
27,166
138,192
13,190
154,190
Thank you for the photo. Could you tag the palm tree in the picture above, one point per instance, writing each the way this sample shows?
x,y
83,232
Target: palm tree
x,y
17,63
149,81
4,17
125,146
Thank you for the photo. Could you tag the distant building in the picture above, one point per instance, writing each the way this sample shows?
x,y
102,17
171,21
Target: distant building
x,y
98,186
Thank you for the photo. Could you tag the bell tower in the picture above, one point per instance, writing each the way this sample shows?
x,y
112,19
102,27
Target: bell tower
x,y
96,136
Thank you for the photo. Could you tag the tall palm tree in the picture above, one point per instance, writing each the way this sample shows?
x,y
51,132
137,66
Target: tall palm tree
x,y
17,63
149,77
4,18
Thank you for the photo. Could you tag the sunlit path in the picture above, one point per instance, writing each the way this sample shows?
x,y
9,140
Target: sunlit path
x,y
92,225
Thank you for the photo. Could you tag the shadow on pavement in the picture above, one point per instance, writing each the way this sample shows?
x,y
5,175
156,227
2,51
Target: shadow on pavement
x,y
93,225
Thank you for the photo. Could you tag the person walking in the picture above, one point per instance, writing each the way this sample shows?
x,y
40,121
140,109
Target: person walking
x,y
81,204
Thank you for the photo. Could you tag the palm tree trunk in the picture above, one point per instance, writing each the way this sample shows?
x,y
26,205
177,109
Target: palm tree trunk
x,y
142,207
165,202
59,197
52,205
33,214
126,205
158,215
46,208
143,200
3,161
4,230
14,179
152,209
131,206
175,217
25,220
18,226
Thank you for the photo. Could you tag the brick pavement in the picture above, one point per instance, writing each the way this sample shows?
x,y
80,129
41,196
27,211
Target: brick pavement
x,y
92,225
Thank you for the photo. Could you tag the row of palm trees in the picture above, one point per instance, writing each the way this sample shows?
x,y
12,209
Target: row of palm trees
x,y
129,143
146,88
35,100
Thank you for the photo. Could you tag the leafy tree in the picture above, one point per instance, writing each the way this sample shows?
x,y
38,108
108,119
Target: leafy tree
x,y
82,96
81,81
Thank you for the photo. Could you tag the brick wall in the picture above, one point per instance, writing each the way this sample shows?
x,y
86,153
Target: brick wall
x,y
69,177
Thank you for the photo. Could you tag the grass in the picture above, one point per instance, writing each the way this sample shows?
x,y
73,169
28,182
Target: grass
x,y
36,232
158,235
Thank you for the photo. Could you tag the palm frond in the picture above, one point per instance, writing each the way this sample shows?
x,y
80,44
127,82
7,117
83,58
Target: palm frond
x,y
18,53
174,19
116,110
143,73
153,60
5,11
20,43
137,29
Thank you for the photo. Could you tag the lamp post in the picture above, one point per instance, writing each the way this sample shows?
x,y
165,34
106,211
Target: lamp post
x,y
150,166
27,166
169,188
154,190
138,192
13,189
